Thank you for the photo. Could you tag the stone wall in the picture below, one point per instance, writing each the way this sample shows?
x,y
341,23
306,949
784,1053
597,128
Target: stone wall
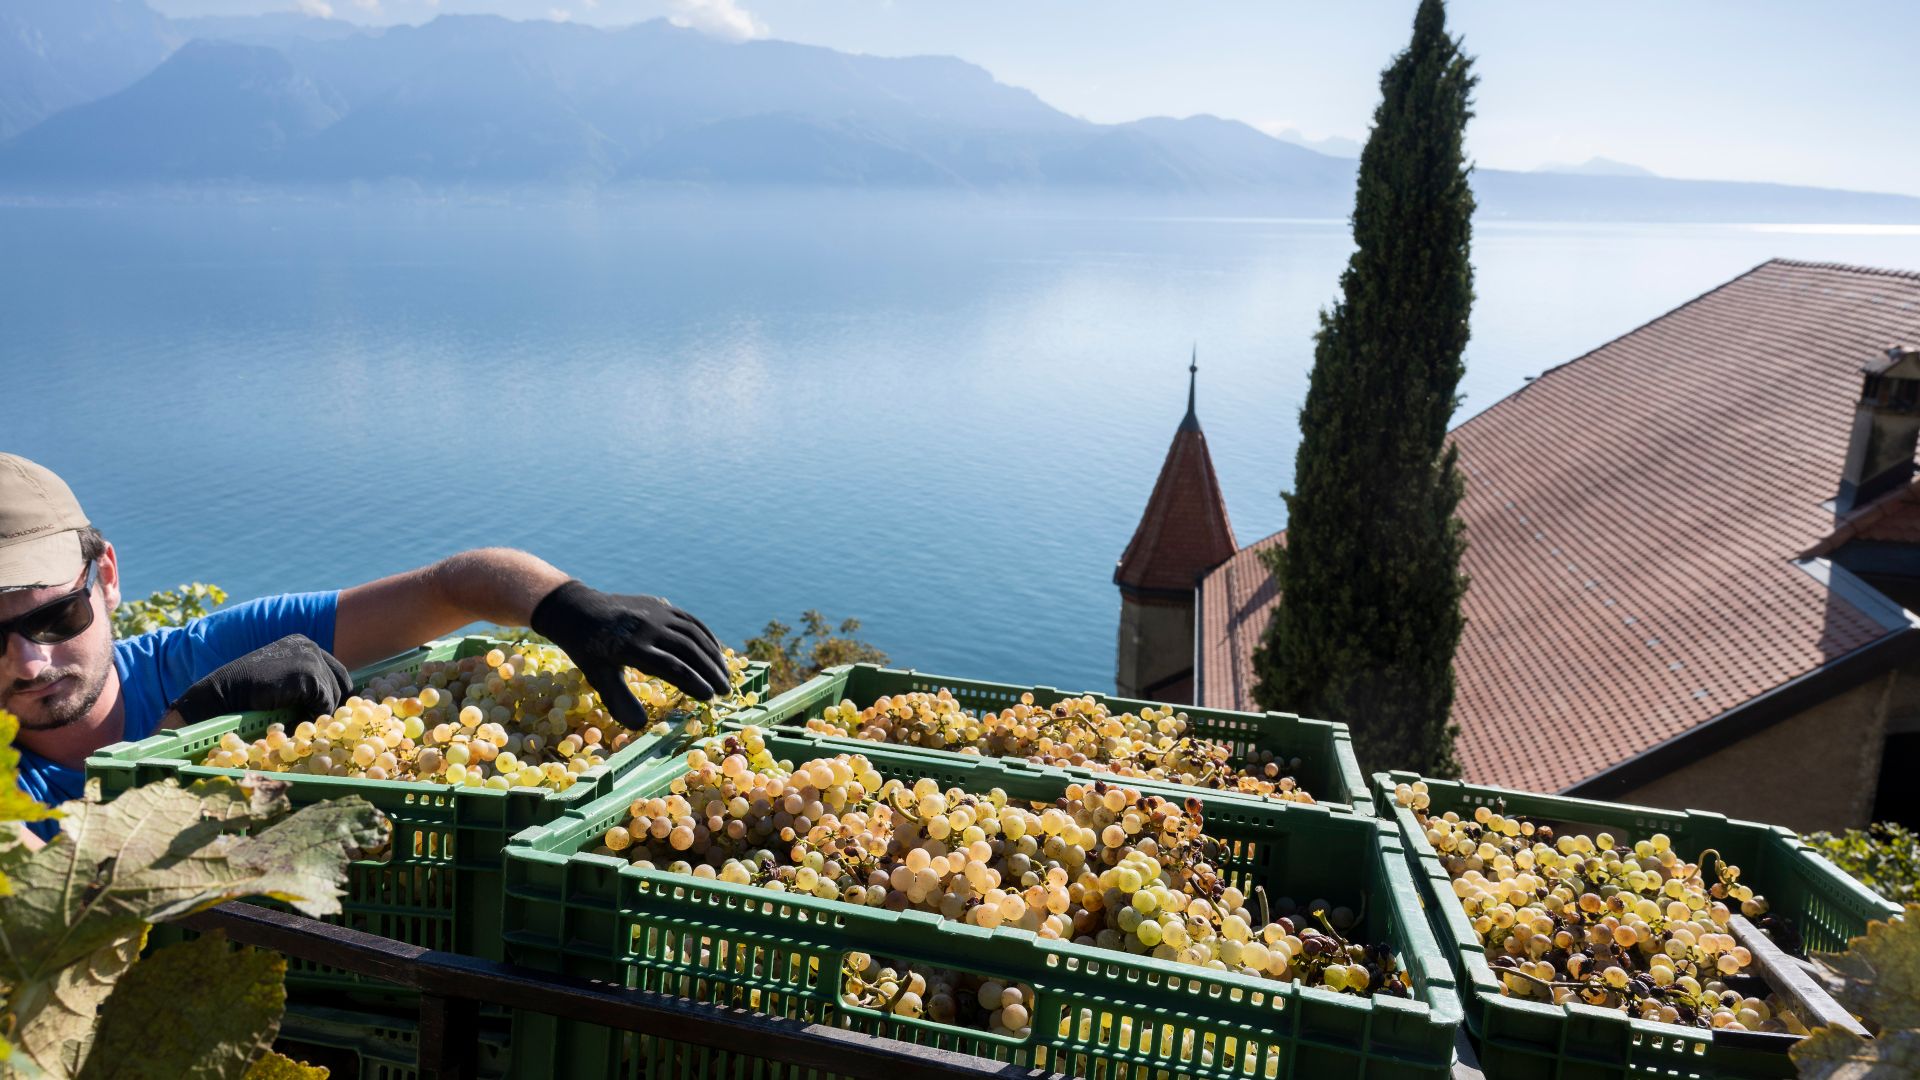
x,y
1814,770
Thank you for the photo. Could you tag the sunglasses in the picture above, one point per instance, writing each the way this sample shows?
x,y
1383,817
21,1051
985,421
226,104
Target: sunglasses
x,y
56,620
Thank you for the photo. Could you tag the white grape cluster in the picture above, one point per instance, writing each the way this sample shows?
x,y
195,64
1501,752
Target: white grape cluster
x,y
1152,744
518,717
1597,920
960,998
1102,866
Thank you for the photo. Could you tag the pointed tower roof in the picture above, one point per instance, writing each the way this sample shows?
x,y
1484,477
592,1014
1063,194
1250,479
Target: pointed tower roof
x,y
1184,532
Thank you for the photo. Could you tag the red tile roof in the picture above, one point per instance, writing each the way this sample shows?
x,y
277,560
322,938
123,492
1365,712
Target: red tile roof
x,y
1184,531
1894,519
1632,520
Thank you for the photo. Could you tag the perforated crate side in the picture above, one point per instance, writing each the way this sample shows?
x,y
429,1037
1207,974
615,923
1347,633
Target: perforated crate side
x,y
598,917
440,885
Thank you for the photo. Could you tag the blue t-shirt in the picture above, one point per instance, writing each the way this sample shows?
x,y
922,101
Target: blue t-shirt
x,y
157,667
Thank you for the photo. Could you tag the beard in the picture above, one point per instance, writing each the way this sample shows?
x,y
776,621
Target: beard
x,y
63,707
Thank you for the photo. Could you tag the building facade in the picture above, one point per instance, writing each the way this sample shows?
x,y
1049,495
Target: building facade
x,y
1183,534
1694,556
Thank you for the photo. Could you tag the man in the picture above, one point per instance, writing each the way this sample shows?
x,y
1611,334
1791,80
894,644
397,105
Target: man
x,y
75,689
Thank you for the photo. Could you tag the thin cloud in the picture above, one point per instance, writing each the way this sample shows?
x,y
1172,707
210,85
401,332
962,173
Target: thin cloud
x,y
721,18
319,9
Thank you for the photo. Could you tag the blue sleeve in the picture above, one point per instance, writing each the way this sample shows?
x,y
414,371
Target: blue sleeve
x,y
50,785
155,668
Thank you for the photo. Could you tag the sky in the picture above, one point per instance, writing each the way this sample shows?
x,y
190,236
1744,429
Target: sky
x,y
1792,92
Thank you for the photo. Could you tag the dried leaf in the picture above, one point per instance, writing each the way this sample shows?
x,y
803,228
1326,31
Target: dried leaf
x,y
17,1066
1877,978
197,1010
255,800
1833,1054
274,1065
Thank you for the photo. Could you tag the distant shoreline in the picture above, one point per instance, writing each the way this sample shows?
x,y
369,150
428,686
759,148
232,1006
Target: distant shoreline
x,y
1240,208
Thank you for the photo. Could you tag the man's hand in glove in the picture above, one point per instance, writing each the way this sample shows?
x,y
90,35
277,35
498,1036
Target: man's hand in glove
x,y
604,634
292,673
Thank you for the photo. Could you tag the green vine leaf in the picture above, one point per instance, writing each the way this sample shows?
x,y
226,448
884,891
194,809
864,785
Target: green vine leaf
x,y
197,1010
167,607
156,853
56,1017
15,804
277,1066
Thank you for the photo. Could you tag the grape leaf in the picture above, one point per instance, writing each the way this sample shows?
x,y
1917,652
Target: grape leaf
x,y
1877,978
255,800
56,1016
17,1066
274,1065
153,854
15,804
197,1010
1832,1054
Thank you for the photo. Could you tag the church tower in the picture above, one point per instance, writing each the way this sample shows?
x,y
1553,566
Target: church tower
x,y
1183,534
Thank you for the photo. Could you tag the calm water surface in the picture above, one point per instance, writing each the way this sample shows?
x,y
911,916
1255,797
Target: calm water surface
x,y
941,418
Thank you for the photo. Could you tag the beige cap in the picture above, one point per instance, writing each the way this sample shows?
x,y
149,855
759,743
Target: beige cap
x,y
39,526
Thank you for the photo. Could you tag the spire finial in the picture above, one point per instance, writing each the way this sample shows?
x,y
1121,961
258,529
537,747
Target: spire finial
x,y
1192,420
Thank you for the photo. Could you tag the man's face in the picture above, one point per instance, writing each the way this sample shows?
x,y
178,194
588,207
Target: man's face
x,y
51,686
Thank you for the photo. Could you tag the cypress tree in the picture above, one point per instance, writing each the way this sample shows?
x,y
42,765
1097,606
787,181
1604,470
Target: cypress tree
x,y
1369,577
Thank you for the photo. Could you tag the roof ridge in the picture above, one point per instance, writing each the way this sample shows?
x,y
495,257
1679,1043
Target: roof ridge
x,y
1874,271
1683,305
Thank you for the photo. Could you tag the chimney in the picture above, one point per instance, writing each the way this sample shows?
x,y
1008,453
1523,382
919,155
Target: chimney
x,y
1886,426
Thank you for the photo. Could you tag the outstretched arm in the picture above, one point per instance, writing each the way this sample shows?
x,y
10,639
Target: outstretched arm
x,y
384,617
604,633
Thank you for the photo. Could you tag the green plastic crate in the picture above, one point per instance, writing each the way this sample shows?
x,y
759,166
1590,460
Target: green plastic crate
x,y
1530,1039
1328,769
440,886
377,1046
599,917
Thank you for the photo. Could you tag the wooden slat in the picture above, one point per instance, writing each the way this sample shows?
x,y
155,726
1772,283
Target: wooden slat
x,y
468,979
1790,978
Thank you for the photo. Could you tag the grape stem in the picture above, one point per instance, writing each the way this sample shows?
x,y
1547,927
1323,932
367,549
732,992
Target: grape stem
x,y
1700,864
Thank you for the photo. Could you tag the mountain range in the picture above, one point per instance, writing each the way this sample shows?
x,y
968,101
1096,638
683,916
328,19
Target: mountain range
x,y
102,96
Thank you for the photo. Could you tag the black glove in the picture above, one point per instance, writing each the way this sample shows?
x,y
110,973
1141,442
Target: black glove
x,y
604,634
292,673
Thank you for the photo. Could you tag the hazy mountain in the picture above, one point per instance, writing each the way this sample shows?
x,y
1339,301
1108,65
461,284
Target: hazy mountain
x,y
55,54
1533,196
477,102
248,105
1332,145
1596,166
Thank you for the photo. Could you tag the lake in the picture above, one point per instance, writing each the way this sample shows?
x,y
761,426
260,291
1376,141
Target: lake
x,y
941,417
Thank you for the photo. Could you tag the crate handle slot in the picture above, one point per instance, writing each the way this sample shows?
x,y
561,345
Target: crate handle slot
x,y
964,989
